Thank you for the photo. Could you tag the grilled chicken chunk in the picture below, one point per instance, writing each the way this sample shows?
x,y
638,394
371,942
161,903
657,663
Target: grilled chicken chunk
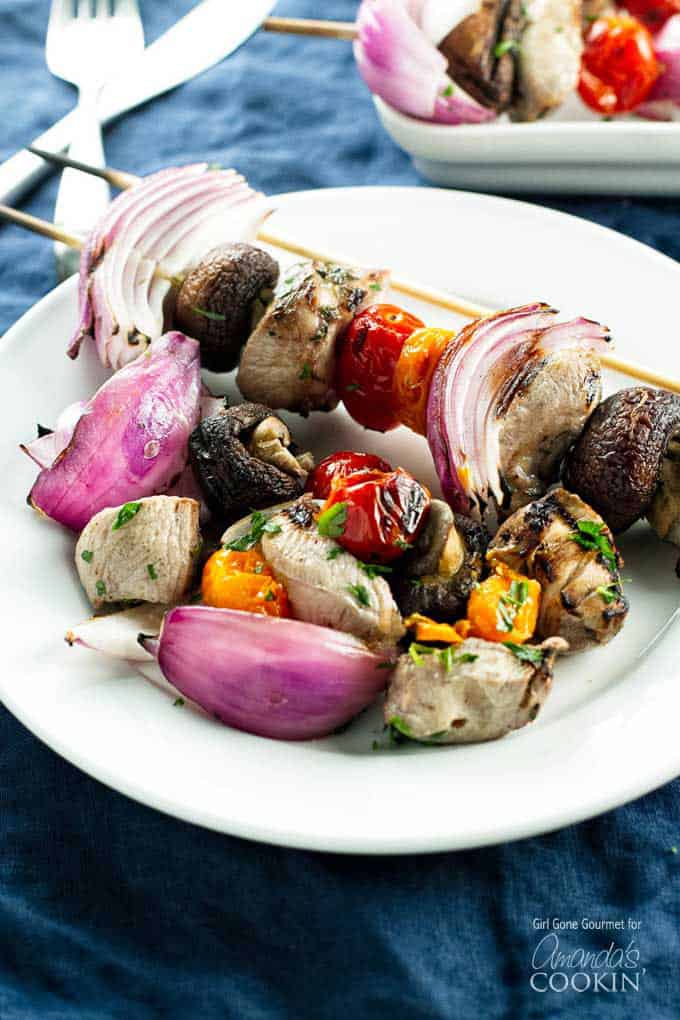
x,y
544,411
564,545
289,360
549,56
478,690
144,551
437,576
324,587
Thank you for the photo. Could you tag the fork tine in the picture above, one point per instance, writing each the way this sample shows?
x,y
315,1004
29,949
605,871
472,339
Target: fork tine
x,y
83,9
102,9
61,11
125,8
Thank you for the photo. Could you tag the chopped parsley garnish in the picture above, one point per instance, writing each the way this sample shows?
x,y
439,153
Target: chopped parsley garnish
x,y
100,588
259,568
401,726
331,523
388,664
510,604
269,595
360,594
333,553
448,91
449,659
401,544
125,514
378,286
178,702
259,525
525,653
507,46
400,729
591,535
213,316
352,387
87,555
306,371
609,592
417,651
151,571
374,569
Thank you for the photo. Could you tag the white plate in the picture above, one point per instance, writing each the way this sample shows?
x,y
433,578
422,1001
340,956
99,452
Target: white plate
x,y
570,151
609,730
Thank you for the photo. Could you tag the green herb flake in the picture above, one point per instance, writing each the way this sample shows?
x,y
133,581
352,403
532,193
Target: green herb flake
x,y
449,659
269,596
401,726
125,514
507,46
448,91
352,387
608,592
331,523
388,664
87,555
377,286
418,651
333,553
151,571
360,594
526,653
207,314
259,525
374,569
401,544
591,535
178,702
259,568
100,588
306,371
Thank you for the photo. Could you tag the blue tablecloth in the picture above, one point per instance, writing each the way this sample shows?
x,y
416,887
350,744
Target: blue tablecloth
x,y
108,909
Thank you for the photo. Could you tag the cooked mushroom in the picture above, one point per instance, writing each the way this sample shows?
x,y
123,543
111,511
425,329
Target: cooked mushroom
x,y
243,458
143,551
543,410
548,57
627,462
474,691
290,358
325,584
437,576
481,51
565,546
220,299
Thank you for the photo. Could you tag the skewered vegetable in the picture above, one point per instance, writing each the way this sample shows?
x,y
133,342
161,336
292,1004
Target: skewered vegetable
x,y
243,580
375,515
142,551
480,51
619,65
474,691
131,440
563,544
509,396
504,607
220,299
243,457
281,678
626,463
413,375
341,465
325,585
290,359
116,634
435,579
653,13
548,56
369,353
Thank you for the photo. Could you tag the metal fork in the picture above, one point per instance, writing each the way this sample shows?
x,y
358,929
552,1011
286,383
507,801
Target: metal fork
x,y
88,41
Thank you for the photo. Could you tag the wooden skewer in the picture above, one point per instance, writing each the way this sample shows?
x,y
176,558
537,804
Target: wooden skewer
x,y
429,295
311,26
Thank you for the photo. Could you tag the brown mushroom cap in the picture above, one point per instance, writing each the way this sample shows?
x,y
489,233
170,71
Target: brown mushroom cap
x,y
216,301
615,465
480,52
235,473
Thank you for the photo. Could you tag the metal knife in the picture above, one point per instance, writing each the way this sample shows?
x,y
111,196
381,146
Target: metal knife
x,y
202,38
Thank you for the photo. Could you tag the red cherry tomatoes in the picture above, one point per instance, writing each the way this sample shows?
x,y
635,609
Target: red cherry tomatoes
x,y
654,13
375,515
619,66
368,356
340,465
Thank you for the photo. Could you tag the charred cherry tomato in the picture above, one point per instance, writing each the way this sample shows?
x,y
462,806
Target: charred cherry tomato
x,y
504,607
369,352
654,13
375,515
619,66
413,375
243,580
340,465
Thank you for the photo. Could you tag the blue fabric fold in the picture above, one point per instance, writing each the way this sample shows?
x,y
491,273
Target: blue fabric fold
x,y
109,909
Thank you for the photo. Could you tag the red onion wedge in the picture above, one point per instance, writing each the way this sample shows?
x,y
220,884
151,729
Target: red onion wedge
x,y
277,678
115,634
131,439
664,99
400,64
156,230
45,449
474,373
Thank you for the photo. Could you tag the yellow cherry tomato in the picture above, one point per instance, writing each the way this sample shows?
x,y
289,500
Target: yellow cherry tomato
x,y
413,375
429,630
234,580
504,607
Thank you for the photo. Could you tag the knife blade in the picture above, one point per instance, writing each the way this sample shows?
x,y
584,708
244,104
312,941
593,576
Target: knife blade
x,y
202,38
